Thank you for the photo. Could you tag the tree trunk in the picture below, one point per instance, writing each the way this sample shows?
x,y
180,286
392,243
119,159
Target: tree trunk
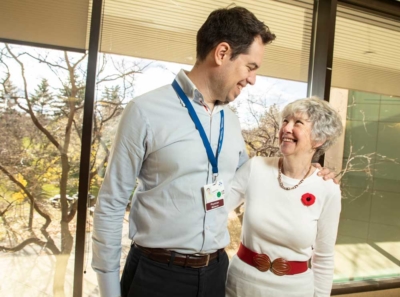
x,y
62,260
66,237
31,209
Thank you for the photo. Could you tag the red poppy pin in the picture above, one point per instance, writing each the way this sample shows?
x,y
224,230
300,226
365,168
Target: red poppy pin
x,y
308,199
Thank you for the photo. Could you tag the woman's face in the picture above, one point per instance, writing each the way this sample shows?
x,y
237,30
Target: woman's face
x,y
295,136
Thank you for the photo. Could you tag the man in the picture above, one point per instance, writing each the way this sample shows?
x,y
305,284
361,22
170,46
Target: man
x,y
180,141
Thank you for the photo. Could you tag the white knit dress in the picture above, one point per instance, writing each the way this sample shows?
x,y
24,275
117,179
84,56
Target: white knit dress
x,y
277,223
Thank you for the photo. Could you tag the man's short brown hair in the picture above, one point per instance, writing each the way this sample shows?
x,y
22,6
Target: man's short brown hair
x,y
236,26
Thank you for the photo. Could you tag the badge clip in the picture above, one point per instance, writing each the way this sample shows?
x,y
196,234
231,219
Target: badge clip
x,y
214,177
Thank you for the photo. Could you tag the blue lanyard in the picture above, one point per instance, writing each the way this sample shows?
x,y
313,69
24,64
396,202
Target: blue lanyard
x,y
213,159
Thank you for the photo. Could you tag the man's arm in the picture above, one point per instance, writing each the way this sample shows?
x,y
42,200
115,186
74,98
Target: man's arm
x,y
123,167
243,157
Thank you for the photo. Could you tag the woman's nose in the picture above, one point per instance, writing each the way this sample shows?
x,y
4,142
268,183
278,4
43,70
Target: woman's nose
x,y
287,128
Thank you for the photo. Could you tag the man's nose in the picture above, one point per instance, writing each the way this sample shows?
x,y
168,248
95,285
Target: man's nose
x,y
251,79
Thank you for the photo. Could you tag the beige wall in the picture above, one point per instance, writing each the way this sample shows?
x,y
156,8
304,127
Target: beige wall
x,y
334,156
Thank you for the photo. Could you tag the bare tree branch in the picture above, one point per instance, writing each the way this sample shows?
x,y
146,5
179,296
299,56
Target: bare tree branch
x,y
45,215
29,110
24,244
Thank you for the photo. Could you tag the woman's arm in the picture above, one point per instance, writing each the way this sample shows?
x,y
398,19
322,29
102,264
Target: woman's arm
x,y
323,256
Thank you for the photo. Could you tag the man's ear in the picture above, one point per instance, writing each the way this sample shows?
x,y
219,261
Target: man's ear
x,y
222,52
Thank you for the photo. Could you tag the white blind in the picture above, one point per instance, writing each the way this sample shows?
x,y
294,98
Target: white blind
x,y
50,22
366,53
166,30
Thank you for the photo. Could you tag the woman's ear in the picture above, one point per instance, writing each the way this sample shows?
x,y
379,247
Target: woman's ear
x,y
318,144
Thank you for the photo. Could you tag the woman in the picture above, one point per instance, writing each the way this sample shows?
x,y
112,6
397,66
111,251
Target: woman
x,y
291,215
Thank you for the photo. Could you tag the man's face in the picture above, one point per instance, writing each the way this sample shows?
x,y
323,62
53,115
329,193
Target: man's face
x,y
237,73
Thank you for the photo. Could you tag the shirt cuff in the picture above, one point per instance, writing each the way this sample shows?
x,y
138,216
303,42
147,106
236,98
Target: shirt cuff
x,y
109,285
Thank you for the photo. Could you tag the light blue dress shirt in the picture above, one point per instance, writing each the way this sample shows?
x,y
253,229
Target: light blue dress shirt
x,y
158,144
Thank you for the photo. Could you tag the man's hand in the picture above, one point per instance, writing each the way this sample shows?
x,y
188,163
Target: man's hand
x,y
326,173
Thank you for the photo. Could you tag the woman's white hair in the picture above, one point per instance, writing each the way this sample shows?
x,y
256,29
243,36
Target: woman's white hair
x,y
326,122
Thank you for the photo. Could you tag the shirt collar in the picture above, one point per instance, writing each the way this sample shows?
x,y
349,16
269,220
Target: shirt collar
x,y
191,91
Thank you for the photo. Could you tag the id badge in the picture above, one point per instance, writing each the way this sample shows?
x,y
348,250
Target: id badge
x,y
214,195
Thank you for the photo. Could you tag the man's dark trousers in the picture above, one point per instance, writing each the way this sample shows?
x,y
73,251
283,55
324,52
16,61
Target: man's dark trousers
x,y
143,277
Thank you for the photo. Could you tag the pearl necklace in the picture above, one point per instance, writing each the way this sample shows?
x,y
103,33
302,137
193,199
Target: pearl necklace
x,y
280,177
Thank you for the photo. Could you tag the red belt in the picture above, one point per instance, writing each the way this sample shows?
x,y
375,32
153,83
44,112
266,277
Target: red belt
x,y
263,263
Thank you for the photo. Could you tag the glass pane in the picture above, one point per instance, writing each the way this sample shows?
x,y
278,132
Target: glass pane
x,y
126,32
258,109
369,230
119,79
41,99
369,159
263,100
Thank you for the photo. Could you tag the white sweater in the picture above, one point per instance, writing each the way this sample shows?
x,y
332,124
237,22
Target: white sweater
x,y
277,223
